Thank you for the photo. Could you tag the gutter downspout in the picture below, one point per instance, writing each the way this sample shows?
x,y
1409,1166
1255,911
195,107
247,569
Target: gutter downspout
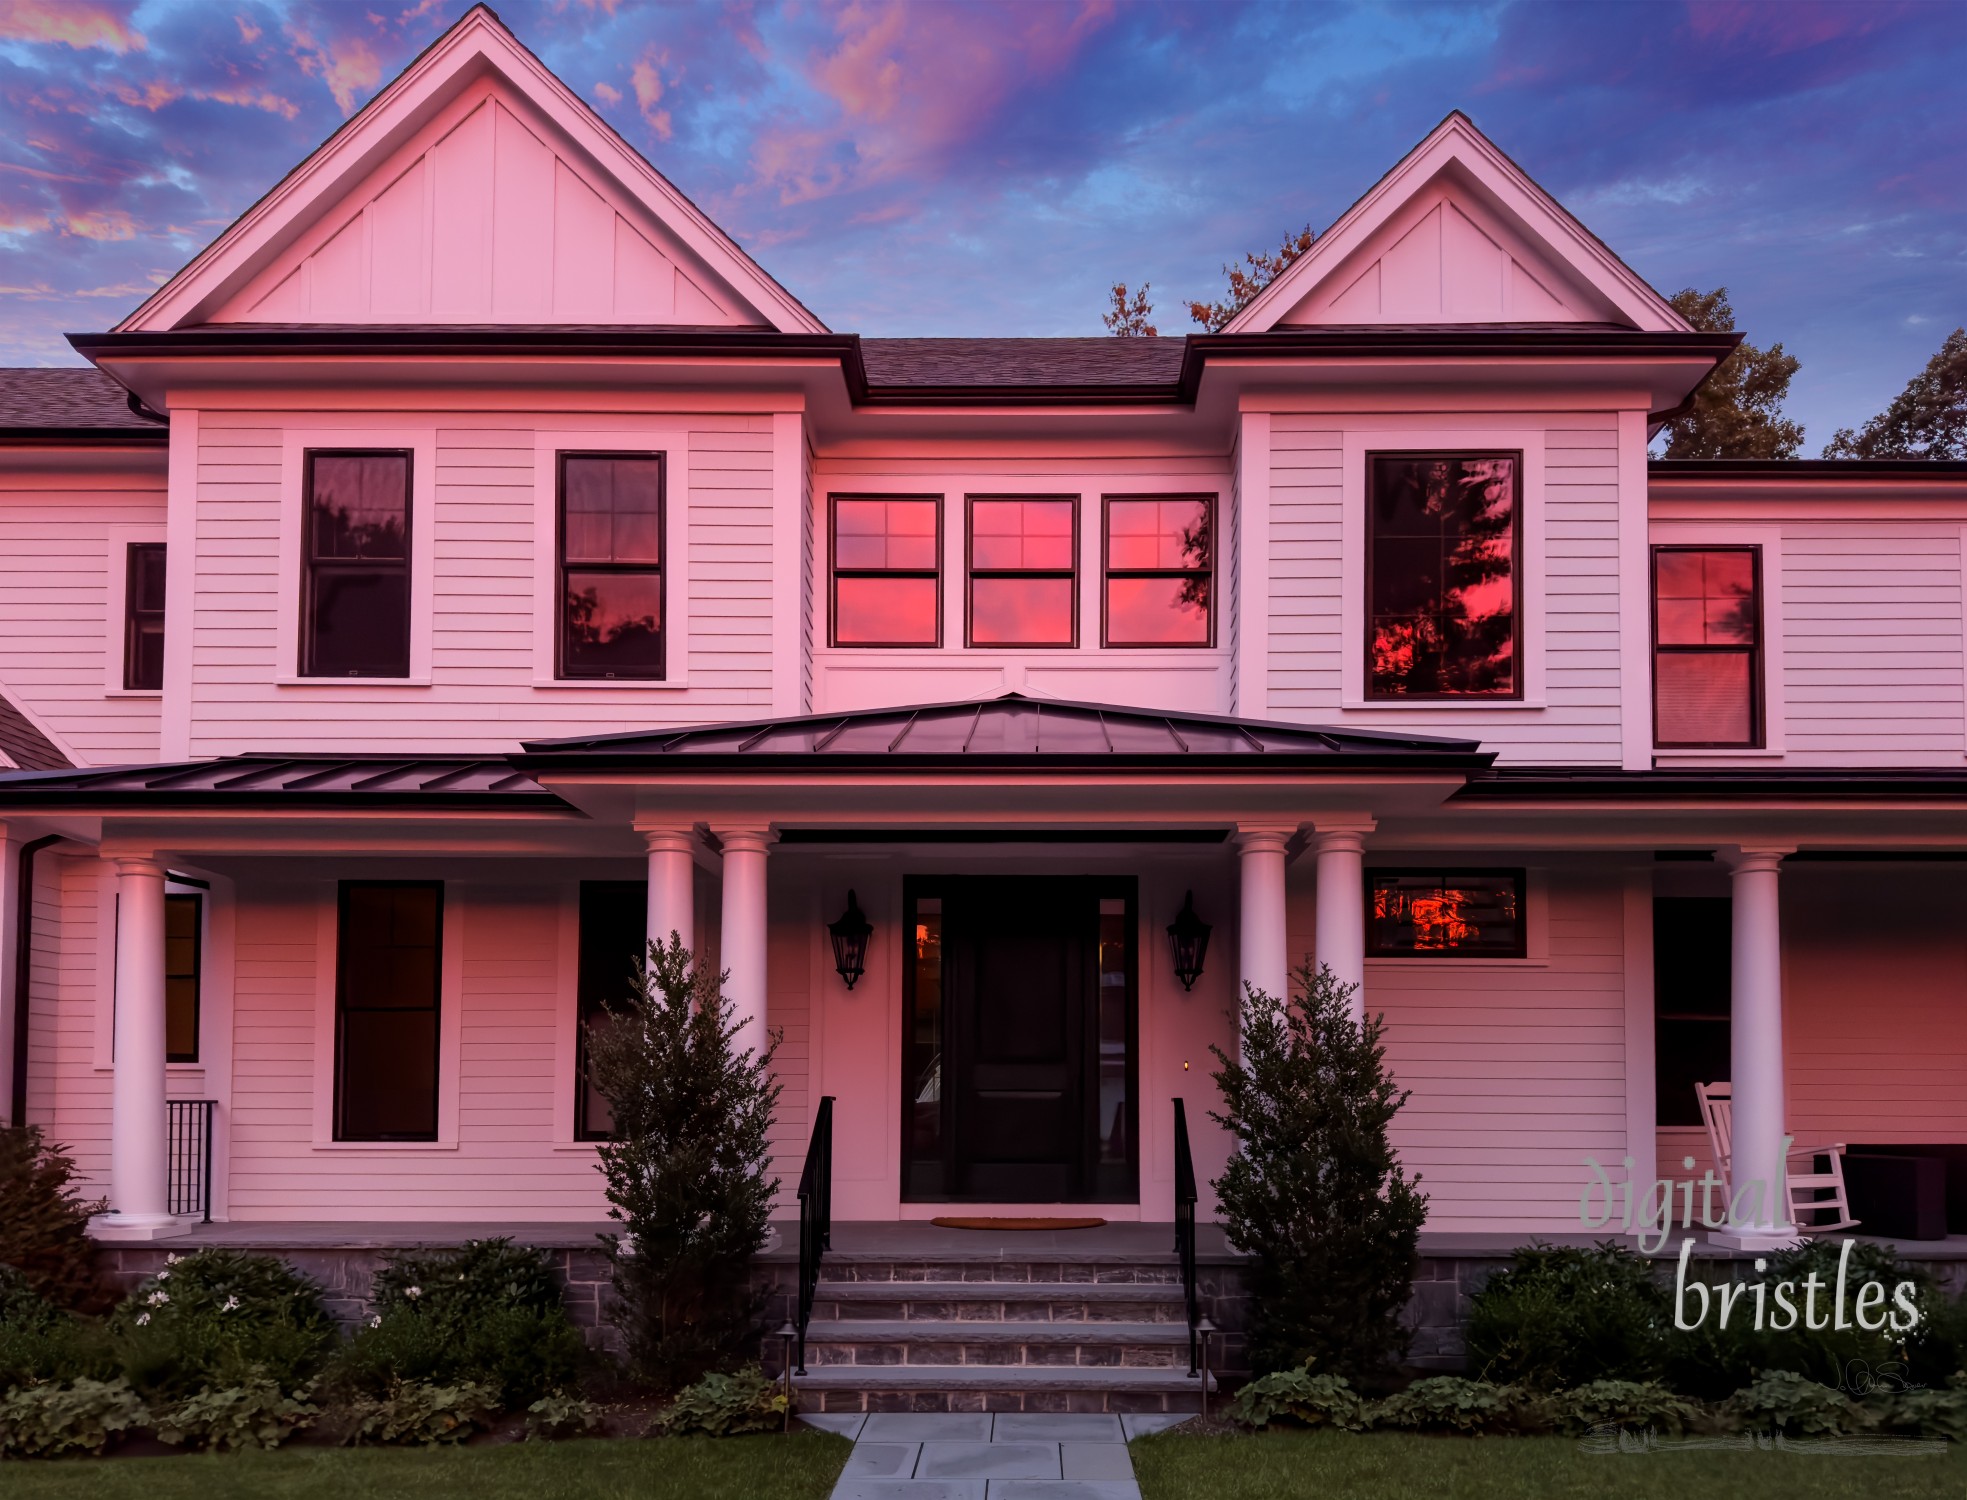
x,y
23,971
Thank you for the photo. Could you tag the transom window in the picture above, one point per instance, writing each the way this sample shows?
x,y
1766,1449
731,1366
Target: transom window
x,y
1707,646
887,571
143,617
1442,584
1445,914
1160,563
355,607
1024,584
611,565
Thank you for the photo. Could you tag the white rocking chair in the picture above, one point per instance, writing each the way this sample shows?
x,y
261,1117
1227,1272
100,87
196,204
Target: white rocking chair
x,y
1802,1187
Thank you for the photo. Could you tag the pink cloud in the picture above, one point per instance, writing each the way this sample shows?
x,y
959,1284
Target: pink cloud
x,y
347,67
248,32
648,92
103,224
247,97
153,96
80,24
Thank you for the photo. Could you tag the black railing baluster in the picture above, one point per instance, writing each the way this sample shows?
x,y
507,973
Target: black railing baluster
x,y
1185,1231
815,1218
188,1138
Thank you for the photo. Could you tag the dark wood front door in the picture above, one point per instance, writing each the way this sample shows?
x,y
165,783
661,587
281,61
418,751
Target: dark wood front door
x,y
1026,1095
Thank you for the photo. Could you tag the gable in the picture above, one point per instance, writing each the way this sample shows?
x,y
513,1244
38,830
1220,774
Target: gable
x,y
1456,233
475,188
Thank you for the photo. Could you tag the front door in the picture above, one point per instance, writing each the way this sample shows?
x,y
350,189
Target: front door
x,y
1020,1040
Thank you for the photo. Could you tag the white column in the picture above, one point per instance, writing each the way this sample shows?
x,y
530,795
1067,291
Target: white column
x,y
1339,932
744,932
672,888
138,1149
1264,958
1756,1048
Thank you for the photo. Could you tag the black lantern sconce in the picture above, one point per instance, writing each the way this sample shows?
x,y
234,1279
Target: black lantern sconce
x,y
1188,938
850,935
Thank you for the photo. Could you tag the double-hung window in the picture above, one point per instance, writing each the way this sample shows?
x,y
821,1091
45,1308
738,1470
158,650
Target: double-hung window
x,y
611,566
143,617
1160,568
1707,647
887,555
388,979
355,575
1443,584
183,964
1024,583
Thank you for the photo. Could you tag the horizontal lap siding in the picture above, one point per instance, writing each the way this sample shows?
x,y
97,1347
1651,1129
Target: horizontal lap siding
x,y
66,1091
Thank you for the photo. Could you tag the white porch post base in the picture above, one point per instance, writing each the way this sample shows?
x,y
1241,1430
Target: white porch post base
x,y
124,1228
1755,1239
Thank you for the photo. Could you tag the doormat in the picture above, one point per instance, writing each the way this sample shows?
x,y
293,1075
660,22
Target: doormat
x,y
1019,1223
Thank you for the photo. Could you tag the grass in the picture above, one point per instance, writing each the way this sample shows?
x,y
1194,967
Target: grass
x,y
803,1466
1398,1466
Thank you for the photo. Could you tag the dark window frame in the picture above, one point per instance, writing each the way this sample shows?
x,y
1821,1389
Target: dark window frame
x,y
1108,573
1448,874
136,617
341,1010
1517,634
835,573
1757,690
312,566
197,901
971,573
660,568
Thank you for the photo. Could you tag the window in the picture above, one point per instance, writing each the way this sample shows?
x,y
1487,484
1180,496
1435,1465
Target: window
x,y
1707,644
355,575
611,575
1445,914
183,956
143,617
1442,582
1160,559
1693,945
387,983
886,572
1023,585
613,941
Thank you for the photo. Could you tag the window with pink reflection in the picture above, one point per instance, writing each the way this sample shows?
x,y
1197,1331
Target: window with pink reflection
x,y
1023,585
887,554
1442,542
1160,565
1707,647
611,566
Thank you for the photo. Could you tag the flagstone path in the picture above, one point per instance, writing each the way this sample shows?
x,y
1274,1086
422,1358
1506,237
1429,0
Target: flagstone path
x,y
986,1456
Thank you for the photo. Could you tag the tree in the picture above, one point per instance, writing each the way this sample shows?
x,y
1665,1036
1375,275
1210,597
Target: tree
x,y
44,1221
688,1167
1129,319
1928,419
1737,412
1246,280
1313,1192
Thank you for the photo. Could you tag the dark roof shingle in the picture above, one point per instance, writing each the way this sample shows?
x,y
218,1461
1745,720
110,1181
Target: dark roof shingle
x,y
26,746
1022,362
72,399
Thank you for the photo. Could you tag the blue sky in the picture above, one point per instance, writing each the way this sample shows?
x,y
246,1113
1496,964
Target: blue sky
x,y
919,168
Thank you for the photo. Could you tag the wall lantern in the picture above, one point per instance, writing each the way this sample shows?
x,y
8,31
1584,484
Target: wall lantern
x,y
850,935
1188,937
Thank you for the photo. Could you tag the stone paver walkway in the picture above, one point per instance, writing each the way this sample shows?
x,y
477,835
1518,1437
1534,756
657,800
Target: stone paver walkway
x,y
986,1456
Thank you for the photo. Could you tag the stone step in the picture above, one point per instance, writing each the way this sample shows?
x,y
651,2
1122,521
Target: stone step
x,y
997,1388
1002,1345
1154,1271
968,1301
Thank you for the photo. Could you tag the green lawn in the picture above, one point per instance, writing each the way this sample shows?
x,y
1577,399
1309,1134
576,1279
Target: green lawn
x,y
1400,1466
801,1467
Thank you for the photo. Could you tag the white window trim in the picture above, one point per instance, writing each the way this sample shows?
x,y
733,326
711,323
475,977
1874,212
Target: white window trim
x,y
296,442
672,442
117,567
450,1026
1360,442
1724,533
1536,913
567,1020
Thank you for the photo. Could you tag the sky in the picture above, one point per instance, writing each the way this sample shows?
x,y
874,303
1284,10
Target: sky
x,y
992,168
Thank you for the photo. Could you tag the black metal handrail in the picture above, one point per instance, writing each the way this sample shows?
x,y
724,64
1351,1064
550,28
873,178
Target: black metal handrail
x,y
189,1134
1185,1233
815,1217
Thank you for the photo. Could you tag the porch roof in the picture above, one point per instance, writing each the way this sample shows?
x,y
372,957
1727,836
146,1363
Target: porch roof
x,y
1009,730
287,781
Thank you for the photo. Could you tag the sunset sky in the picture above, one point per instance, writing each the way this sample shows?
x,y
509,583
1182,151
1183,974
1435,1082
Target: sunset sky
x,y
991,168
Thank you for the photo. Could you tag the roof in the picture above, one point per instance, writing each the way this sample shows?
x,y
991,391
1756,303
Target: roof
x,y
1602,784
82,403
343,782
1010,730
1013,362
25,745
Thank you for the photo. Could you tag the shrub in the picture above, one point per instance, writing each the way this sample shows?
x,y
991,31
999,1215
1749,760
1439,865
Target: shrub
x,y
1313,1192
560,1415
1298,1396
1559,1316
414,1411
1928,1412
44,1222
689,1167
1626,1403
256,1414
1448,1403
487,1312
722,1405
218,1319
39,1342
1785,1400
45,1421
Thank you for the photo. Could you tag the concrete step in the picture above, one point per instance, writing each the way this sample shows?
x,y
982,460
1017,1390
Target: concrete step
x,y
1108,1346
966,1301
997,1388
1147,1270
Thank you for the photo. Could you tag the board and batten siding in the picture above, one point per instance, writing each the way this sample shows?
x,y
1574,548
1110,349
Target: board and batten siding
x,y
481,697
1308,636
